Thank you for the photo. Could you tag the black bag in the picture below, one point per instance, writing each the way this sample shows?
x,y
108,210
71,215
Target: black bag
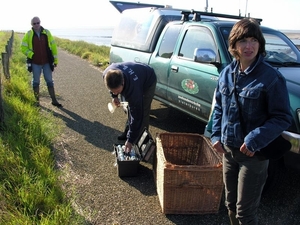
x,y
276,149
50,56
29,65
51,59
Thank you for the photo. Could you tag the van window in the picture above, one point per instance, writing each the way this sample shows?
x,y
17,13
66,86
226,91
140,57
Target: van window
x,y
133,30
168,41
139,29
196,37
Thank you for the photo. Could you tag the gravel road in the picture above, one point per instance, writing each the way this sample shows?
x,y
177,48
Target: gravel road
x,y
84,155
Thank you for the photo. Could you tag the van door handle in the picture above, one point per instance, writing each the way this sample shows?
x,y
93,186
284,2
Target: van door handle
x,y
174,69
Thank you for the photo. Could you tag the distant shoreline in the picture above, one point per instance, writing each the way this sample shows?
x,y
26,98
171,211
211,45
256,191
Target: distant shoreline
x,y
292,35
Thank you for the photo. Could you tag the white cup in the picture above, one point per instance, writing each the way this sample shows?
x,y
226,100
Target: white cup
x,y
124,104
111,107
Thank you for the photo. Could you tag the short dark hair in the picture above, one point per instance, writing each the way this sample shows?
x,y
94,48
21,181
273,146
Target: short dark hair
x,y
245,28
114,78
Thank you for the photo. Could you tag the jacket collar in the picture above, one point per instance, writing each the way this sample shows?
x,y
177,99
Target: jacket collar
x,y
235,65
42,30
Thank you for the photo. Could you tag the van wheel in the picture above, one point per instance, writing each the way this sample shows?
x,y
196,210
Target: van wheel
x,y
276,171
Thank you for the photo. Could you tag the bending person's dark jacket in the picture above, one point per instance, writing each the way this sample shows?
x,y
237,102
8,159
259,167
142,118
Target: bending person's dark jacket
x,y
138,78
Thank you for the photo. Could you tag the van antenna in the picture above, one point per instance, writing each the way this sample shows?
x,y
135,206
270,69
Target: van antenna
x,y
246,8
206,7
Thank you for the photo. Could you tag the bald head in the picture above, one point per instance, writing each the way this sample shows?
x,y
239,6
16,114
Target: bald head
x,y
35,23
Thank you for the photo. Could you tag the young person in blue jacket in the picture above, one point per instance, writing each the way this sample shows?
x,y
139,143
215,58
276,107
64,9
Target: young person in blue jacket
x,y
252,109
135,82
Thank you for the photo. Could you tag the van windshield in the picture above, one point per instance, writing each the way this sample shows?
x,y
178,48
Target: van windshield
x,y
280,50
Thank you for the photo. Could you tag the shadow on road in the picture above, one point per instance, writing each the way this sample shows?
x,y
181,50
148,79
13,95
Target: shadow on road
x,y
95,133
144,181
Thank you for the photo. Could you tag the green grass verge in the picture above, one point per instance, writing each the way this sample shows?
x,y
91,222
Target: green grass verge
x,y
30,188
96,55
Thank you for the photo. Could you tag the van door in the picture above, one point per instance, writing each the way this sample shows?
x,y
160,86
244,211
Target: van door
x,y
161,58
191,84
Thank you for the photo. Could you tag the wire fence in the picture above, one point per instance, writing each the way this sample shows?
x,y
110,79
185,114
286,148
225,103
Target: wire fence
x,y
5,57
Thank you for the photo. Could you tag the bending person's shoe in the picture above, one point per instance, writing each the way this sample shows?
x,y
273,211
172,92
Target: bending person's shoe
x,y
123,136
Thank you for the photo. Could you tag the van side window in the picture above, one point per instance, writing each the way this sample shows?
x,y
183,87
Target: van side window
x,y
196,37
168,42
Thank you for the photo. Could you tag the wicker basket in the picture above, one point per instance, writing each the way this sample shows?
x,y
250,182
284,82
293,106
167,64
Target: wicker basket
x,y
188,174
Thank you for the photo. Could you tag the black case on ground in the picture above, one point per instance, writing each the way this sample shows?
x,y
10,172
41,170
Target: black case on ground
x,y
144,148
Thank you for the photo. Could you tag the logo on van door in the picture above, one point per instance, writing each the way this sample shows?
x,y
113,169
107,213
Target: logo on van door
x,y
190,86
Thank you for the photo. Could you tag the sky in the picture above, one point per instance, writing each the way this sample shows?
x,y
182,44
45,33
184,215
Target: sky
x,y
59,14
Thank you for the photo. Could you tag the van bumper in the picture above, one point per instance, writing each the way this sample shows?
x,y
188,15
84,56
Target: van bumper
x,y
292,158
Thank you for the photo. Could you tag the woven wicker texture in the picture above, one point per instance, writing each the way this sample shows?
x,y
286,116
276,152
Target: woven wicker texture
x,y
188,174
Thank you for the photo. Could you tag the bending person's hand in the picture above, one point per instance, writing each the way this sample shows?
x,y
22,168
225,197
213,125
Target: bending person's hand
x,y
116,101
128,147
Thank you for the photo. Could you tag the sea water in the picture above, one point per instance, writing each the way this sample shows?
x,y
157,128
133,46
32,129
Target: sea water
x,y
98,36
296,41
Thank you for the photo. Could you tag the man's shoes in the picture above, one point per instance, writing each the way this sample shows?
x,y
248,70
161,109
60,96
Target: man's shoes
x,y
123,137
56,104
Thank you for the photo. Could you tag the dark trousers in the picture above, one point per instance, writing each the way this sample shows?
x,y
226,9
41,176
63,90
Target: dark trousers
x,y
147,100
244,179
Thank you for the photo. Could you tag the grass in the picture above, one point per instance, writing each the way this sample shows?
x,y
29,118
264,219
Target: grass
x,y
96,55
30,188
4,37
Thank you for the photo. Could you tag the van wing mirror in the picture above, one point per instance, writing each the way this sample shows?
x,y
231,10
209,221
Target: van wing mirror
x,y
205,55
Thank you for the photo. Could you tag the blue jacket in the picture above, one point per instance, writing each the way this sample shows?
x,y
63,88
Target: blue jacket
x,y
138,78
264,102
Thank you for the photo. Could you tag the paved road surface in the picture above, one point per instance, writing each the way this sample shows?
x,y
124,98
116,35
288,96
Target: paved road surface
x,y
84,154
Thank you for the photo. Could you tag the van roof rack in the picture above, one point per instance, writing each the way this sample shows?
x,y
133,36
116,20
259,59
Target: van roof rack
x,y
197,15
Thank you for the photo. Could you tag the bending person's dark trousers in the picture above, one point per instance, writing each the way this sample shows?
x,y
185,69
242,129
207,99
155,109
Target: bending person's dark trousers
x,y
147,100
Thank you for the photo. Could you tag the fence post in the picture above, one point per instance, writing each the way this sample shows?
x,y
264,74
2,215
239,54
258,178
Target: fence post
x,y
1,105
11,42
7,48
5,63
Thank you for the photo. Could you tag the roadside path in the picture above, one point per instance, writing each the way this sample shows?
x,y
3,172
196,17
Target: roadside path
x,y
84,155
84,151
